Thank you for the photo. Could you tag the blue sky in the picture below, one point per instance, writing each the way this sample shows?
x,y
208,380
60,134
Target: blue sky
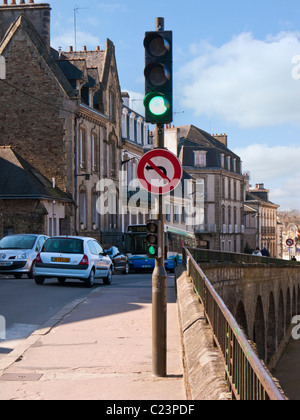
x,y
236,71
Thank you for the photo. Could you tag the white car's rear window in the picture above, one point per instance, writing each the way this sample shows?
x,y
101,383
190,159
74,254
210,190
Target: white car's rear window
x,y
64,245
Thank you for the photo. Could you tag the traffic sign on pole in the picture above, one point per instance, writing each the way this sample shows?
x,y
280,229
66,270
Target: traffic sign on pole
x,y
159,171
290,242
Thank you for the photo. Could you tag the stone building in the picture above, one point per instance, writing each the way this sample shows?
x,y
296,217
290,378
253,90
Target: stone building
x,y
261,229
28,200
218,173
61,111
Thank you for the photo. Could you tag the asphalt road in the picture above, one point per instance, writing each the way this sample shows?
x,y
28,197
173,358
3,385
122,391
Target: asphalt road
x,y
25,306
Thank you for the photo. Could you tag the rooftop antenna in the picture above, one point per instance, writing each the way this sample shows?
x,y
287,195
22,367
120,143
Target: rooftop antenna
x,y
76,8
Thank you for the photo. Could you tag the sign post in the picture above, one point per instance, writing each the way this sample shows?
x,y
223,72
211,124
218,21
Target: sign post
x,y
159,286
155,173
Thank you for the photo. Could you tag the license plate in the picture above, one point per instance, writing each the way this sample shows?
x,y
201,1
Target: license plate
x,y
146,266
62,260
5,264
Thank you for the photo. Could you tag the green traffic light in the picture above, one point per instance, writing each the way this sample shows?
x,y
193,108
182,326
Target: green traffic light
x,y
151,250
157,105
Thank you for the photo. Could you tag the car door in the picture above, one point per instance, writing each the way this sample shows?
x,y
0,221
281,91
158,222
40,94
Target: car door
x,y
103,262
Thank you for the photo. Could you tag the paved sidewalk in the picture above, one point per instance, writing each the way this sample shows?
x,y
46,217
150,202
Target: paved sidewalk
x,y
98,348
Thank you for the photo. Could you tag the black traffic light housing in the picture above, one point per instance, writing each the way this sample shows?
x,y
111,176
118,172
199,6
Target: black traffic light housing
x,y
158,72
152,239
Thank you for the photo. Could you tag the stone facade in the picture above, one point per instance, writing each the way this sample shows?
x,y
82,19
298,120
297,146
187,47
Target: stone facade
x,y
61,111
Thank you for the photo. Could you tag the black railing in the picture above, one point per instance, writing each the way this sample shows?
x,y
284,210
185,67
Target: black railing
x,y
248,379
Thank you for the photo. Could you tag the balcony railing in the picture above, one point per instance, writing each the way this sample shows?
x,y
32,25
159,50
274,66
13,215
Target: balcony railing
x,y
205,228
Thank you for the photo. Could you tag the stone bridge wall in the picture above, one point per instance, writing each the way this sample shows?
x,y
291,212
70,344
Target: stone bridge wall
x,y
263,299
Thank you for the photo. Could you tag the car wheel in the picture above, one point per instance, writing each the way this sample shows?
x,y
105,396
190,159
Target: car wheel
x,y
90,281
18,276
108,279
126,270
39,280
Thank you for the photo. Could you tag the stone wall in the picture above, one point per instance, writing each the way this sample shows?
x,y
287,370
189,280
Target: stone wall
x,y
204,370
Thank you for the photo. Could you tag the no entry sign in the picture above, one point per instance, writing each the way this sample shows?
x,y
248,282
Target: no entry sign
x,y
159,171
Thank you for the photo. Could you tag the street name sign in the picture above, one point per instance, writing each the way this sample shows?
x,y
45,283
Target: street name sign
x,y
159,171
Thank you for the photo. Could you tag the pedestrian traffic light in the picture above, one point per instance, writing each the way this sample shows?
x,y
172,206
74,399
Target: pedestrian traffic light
x,y
152,239
158,72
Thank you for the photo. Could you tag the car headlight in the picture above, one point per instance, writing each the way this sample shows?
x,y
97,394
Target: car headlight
x,y
22,256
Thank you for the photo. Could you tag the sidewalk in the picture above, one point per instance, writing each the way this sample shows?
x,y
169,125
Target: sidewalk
x,y
97,348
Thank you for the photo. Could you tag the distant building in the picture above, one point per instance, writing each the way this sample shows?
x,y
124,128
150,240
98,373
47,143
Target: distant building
x,y
261,227
220,219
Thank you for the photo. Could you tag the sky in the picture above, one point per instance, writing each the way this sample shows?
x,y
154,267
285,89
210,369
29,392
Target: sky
x,y
236,71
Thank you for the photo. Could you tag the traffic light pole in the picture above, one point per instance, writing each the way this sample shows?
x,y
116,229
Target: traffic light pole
x,y
159,286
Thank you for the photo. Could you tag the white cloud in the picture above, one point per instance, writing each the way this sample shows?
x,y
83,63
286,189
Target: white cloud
x,y
278,168
68,38
246,81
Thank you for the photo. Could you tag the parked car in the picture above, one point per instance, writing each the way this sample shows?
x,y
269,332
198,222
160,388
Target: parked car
x,y
119,260
73,257
18,254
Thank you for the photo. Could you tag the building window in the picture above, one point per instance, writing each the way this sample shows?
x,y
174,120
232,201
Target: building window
x,y
176,214
50,230
200,159
105,158
168,213
82,148
95,152
112,159
82,209
95,217
222,160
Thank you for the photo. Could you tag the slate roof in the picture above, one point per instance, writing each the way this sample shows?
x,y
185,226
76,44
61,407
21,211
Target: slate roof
x,y
20,180
193,139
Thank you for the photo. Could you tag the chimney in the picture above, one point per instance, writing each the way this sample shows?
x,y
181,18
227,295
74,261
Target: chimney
x,y
37,14
221,138
125,98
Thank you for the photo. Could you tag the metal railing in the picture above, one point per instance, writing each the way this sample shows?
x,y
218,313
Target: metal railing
x,y
205,255
247,377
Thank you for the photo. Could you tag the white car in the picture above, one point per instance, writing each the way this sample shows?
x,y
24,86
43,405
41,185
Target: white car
x,y
73,257
18,254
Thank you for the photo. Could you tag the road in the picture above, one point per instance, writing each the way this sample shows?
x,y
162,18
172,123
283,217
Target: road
x,y
26,306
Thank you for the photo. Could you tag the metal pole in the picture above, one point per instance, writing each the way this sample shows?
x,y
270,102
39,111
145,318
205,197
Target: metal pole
x,y
159,287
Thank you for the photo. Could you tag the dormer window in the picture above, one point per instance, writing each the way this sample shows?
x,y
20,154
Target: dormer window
x,y
200,158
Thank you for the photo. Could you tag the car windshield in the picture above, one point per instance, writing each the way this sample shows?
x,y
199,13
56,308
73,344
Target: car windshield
x,y
17,242
64,246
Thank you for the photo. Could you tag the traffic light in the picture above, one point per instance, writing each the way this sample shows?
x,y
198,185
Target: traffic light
x,y
152,239
158,72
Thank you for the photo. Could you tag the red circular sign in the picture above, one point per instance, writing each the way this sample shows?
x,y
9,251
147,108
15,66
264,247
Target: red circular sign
x,y
159,171
290,242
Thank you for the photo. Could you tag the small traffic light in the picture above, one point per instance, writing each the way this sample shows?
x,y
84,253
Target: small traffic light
x,y
152,239
158,72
